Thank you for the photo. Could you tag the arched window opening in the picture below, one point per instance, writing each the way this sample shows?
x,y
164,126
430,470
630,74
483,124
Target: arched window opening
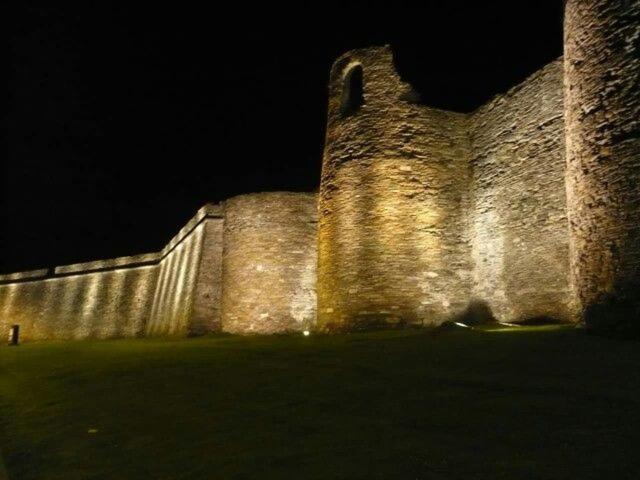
x,y
352,91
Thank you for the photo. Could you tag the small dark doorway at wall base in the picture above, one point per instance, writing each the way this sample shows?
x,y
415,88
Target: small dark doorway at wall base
x,y
14,335
352,91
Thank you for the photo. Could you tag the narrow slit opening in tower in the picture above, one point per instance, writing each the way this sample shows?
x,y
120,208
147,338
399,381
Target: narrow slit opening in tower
x,y
352,91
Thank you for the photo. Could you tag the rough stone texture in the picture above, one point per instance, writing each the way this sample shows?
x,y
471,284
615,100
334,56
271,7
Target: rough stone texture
x,y
518,218
602,95
95,304
422,213
206,316
174,296
188,290
98,265
172,292
24,275
269,263
395,183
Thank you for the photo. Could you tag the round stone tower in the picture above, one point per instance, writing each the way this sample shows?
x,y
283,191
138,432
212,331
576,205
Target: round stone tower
x,y
602,115
394,184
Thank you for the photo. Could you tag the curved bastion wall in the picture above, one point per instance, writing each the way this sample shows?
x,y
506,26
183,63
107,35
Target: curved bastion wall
x,y
393,198
602,92
269,263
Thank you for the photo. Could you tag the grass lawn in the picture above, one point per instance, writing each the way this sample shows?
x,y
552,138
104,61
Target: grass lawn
x,y
529,403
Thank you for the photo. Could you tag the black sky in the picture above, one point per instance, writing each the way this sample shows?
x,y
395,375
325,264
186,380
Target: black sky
x,y
122,122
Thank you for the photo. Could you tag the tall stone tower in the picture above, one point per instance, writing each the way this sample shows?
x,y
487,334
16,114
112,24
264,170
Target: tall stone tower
x,y
602,113
394,182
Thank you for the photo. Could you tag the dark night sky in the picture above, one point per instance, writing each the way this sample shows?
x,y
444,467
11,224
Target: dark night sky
x,y
122,123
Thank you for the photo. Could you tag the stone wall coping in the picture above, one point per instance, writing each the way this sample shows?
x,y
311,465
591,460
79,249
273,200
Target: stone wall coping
x,y
29,274
209,210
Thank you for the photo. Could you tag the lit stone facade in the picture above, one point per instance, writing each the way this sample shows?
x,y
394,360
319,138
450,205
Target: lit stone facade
x,y
602,96
393,198
426,213
527,207
269,263
517,219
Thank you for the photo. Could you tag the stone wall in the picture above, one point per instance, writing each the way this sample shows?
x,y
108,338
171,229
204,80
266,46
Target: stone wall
x,y
188,292
207,313
172,292
269,274
269,263
103,299
395,182
424,213
518,224
421,214
602,91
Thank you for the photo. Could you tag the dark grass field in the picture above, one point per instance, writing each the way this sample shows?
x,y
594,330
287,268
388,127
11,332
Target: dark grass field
x,y
530,403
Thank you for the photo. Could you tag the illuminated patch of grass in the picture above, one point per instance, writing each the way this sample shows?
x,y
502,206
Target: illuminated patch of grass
x,y
523,328
543,403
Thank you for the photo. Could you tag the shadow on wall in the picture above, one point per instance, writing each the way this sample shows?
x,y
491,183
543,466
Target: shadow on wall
x,y
477,313
616,314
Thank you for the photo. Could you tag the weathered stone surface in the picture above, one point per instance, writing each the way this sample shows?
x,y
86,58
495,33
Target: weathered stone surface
x,y
269,263
8,277
206,315
518,223
104,304
175,291
424,212
188,289
602,95
394,188
527,207
174,296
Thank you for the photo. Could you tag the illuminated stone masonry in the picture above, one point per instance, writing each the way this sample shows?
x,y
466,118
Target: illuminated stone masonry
x,y
527,207
426,214
161,293
261,246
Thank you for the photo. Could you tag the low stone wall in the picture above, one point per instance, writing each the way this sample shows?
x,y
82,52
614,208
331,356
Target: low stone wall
x,y
165,293
108,299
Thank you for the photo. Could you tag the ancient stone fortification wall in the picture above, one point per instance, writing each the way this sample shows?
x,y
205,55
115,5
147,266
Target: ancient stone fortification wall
x,y
269,279
269,263
602,89
421,213
518,225
110,298
187,297
175,291
394,182
424,213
